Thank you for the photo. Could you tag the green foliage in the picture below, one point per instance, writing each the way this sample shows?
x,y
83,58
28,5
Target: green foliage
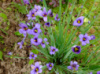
x,y
31,61
2,41
3,31
35,51
4,16
1,37
17,33
4,49
94,67
8,26
1,55
70,1
30,36
78,1
21,8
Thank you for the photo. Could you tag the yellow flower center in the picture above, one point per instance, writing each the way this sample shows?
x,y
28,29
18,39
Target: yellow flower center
x,y
84,39
44,15
50,65
37,69
76,49
53,50
78,21
35,40
36,30
42,42
25,28
33,14
32,55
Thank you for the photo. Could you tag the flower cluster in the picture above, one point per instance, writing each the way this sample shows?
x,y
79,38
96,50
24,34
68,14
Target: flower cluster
x,y
39,11
36,30
37,68
85,38
39,40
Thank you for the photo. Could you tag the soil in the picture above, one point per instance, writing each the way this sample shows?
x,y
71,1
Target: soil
x,y
12,65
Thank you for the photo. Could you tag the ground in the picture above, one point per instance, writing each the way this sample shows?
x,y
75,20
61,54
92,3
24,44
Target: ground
x,y
9,44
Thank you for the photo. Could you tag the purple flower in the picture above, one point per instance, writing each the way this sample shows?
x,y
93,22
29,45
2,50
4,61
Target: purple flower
x,y
24,29
53,50
76,49
36,30
98,72
70,13
49,65
36,41
43,44
79,21
37,68
63,13
50,13
82,6
89,22
47,24
84,39
26,1
32,55
94,17
32,66
90,73
9,53
37,8
56,18
73,65
92,37
44,14
21,43
32,15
